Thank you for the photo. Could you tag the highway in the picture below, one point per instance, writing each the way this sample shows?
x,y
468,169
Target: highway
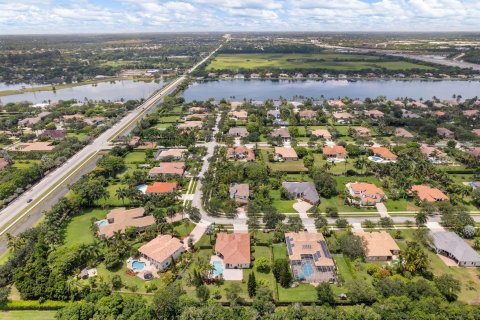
x,y
17,210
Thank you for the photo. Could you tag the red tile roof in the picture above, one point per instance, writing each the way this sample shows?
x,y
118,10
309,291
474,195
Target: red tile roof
x,y
234,247
162,187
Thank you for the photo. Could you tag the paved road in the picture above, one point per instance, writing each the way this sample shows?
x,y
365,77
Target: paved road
x,y
52,183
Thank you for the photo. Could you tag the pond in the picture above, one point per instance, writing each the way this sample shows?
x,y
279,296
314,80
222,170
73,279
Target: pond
x,y
113,91
16,86
273,89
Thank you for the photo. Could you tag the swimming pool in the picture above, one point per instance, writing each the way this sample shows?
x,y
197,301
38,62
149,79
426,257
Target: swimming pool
x,y
142,187
138,265
217,268
376,159
306,270
102,223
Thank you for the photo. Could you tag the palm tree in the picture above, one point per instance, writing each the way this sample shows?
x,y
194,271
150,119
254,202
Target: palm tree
x,y
421,218
121,194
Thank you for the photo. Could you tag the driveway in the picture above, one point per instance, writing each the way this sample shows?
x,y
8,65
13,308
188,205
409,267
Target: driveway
x,y
302,208
382,209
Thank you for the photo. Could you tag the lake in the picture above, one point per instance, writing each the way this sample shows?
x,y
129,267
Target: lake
x,y
126,89
16,86
273,89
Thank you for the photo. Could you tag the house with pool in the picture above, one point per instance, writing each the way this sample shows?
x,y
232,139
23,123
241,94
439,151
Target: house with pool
x,y
232,254
382,155
161,251
310,259
119,219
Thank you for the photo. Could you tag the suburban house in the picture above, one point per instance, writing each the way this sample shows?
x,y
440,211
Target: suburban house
x,y
428,194
168,168
4,163
322,133
241,115
307,114
336,103
33,120
361,131
161,187
365,194
275,114
439,114
417,104
240,192
445,133
54,134
119,219
451,245
94,121
33,146
134,141
374,114
282,153
302,190
241,153
235,105
470,113
342,117
378,245
432,153
474,152
162,250
281,132
195,116
238,132
197,109
401,132
188,125
407,114
233,249
147,145
76,116
175,154
310,259
383,153
335,152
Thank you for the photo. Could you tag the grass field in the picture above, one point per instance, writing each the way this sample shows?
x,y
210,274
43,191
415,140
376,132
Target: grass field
x,y
136,156
326,61
78,229
27,315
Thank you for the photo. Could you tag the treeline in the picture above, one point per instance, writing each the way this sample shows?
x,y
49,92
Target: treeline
x,y
269,48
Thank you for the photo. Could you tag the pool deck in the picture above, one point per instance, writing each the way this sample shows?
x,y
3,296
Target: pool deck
x,y
149,268
228,274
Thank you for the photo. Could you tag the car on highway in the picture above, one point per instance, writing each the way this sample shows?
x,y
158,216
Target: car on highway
x,y
29,200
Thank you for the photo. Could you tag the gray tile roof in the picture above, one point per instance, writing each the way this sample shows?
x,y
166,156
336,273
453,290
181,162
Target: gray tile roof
x,y
450,242
305,189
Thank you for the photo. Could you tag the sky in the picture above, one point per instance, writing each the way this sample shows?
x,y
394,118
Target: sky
x,y
102,16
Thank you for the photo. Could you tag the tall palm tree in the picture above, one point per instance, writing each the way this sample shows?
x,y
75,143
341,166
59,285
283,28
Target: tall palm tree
x,y
421,218
121,194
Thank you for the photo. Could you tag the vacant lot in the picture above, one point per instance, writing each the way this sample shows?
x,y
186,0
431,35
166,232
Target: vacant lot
x,y
324,61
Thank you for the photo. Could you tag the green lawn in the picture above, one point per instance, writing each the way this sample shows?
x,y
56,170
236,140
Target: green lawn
x,y
78,229
113,200
4,257
303,293
184,227
283,206
169,119
135,157
24,164
343,268
296,61
27,315
279,251
288,166
341,206
468,277
127,280
400,205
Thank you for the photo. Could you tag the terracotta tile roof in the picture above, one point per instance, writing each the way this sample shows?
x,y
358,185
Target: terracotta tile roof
x,y
121,218
476,132
196,109
366,192
234,247
33,146
286,153
342,115
196,116
242,115
361,131
337,151
282,132
168,168
475,152
73,116
308,243
148,145
176,153
429,151
439,113
401,132
445,132
378,244
161,248
383,153
322,133
162,187
470,113
190,125
429,194
241,152
336,103
307,114
375,113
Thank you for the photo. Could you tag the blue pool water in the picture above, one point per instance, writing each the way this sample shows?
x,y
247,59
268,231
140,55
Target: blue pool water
x,y
142,187
138,265
307,270
102,223
217,268
376,159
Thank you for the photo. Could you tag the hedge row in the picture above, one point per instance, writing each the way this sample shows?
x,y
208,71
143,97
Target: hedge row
x,y
34,305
